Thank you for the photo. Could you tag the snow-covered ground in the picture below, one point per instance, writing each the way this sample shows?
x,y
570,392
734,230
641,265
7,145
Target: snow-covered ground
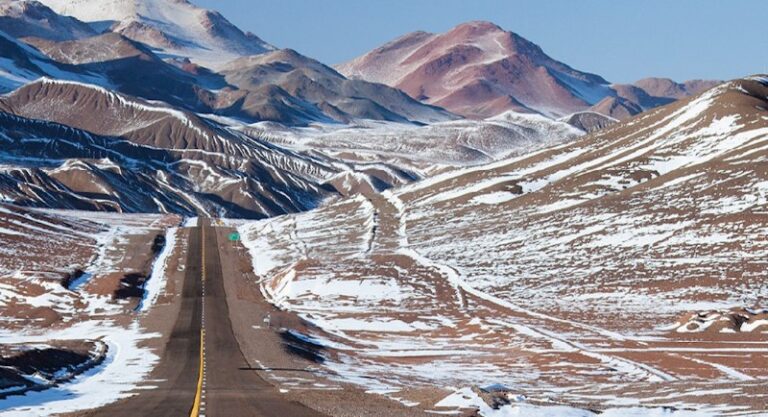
x,y
563,273
126,365
158,277
47,246
453,143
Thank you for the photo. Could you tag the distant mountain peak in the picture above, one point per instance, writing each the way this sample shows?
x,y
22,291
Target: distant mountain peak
x,y
477,26
665,87
444,70
176,28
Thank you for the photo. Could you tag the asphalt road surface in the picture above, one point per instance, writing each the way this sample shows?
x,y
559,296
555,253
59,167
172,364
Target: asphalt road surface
x,y
230,388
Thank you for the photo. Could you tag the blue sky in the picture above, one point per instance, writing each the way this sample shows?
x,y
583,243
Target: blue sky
x,y
621,40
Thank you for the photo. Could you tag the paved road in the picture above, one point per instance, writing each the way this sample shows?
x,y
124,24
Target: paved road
x,y
230,388
178,369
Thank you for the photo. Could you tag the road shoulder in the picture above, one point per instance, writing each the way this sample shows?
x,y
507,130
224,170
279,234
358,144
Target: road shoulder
x,y
257,325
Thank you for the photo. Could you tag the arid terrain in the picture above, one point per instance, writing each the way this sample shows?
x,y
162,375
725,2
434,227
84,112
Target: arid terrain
x,y
70,284
622,269
196,222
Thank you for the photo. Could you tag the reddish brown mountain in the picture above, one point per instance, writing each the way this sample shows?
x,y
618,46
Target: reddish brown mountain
x,y
479,70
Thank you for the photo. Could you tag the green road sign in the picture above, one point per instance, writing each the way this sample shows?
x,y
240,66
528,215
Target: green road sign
x,y
234,237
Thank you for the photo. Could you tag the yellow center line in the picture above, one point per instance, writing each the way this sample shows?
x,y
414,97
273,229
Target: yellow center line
x,y
198,394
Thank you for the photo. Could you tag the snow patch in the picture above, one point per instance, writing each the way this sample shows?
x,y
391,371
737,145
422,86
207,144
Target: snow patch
x,y
156,282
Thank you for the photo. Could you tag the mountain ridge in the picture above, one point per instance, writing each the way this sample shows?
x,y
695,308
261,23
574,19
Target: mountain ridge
x,y
129,62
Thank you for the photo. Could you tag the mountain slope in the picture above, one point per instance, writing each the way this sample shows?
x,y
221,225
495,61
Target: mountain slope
x,y
65,149
589,121
666,88
182,162
598,265
617,107
648,93
297,90
29,18
172,27
20,64
325,91
453,143
55,46
131,68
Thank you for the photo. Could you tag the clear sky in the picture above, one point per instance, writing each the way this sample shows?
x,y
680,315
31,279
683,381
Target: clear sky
x,y
622,40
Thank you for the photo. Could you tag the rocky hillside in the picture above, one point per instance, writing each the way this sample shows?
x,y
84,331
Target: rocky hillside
x,y
79,146
616,268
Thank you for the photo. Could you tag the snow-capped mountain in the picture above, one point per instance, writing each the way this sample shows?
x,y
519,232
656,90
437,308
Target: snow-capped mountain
x,y
478,69
108,60
279,85
175,28
161,50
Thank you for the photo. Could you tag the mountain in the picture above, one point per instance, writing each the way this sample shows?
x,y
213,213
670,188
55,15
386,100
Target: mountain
x,y
109,60
54,46
131,68
308,91
173,28
648,93
260,84
323,92
589,121
71,145
479,70
74,145
615,268
666,88
27,18
617,107
79,146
